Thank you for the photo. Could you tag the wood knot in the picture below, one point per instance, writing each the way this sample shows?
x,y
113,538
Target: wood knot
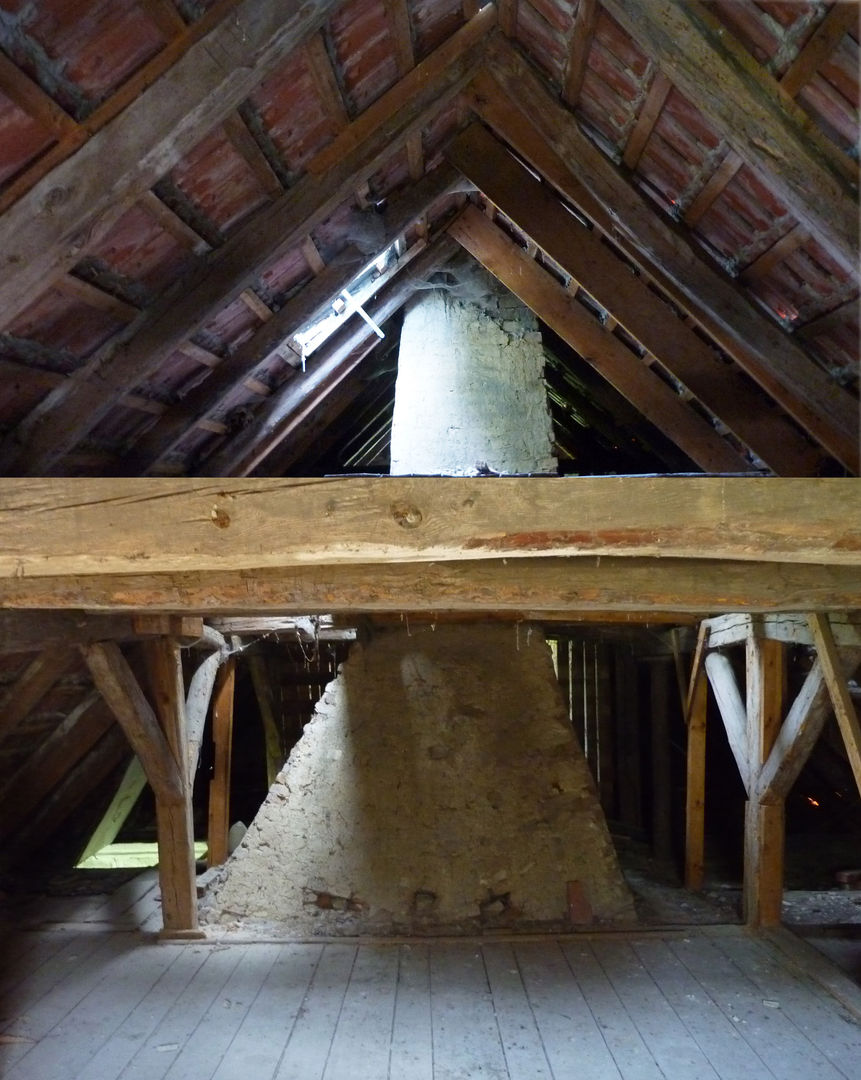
x,y
220,517
406,515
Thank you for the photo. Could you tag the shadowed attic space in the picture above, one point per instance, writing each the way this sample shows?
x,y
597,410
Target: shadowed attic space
x,y
671,189
621,701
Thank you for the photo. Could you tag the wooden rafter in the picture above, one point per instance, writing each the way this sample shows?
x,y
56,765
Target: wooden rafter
x,y
837,23
32,685
29,96
747,106
535,208
244,143
398,14
76,786
646,120
517,105
158,126
578,49
66,416
552,303
763,265
165,15
508,17
67,745
711,190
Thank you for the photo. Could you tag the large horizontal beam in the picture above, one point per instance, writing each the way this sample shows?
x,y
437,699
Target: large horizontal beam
x,y
621,367
70,411
52,527
515,102
749,108
546,587
536,209
49,229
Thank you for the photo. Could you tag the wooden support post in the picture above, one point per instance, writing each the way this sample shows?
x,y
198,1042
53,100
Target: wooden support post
x,y
578,690
174,817
271,725
662,803
219,787
695,790
590,709
628,728
158,738
763,822
563,670
844,709
606,731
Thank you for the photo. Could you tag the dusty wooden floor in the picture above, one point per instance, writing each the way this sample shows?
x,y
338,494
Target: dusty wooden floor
x,y
85,999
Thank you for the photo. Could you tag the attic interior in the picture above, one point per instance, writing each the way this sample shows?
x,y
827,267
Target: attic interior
x,y
456,291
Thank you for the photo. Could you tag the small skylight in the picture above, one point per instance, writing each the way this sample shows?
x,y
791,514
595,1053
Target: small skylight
x,y
351,299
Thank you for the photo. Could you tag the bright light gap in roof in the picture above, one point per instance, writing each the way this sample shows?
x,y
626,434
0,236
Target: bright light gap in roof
x,y
351,299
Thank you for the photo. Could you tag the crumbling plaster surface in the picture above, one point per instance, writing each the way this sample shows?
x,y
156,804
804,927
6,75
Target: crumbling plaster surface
x,y
470,395
438,787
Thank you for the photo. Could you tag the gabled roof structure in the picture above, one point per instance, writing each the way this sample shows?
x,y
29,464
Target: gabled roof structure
x,y
672,188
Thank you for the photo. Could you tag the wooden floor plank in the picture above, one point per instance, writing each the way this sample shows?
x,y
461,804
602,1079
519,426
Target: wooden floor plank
x,y
257,1047
633,1058
24,953
671,1044
711,1002
206,1046
56,989
465,1035
569,1033
307,1051
790,1055
518,1031
123,899
801,1000
412,1034
115,1054
365,1025
730,1056
68,1047
163,1044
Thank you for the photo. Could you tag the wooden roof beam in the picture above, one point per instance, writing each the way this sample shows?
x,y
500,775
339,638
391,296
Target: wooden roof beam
x,y
32,685
514,101
582,33
755,115
55,634
71,411
48,229
536,209
550,301
546,586
54,528
842,18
